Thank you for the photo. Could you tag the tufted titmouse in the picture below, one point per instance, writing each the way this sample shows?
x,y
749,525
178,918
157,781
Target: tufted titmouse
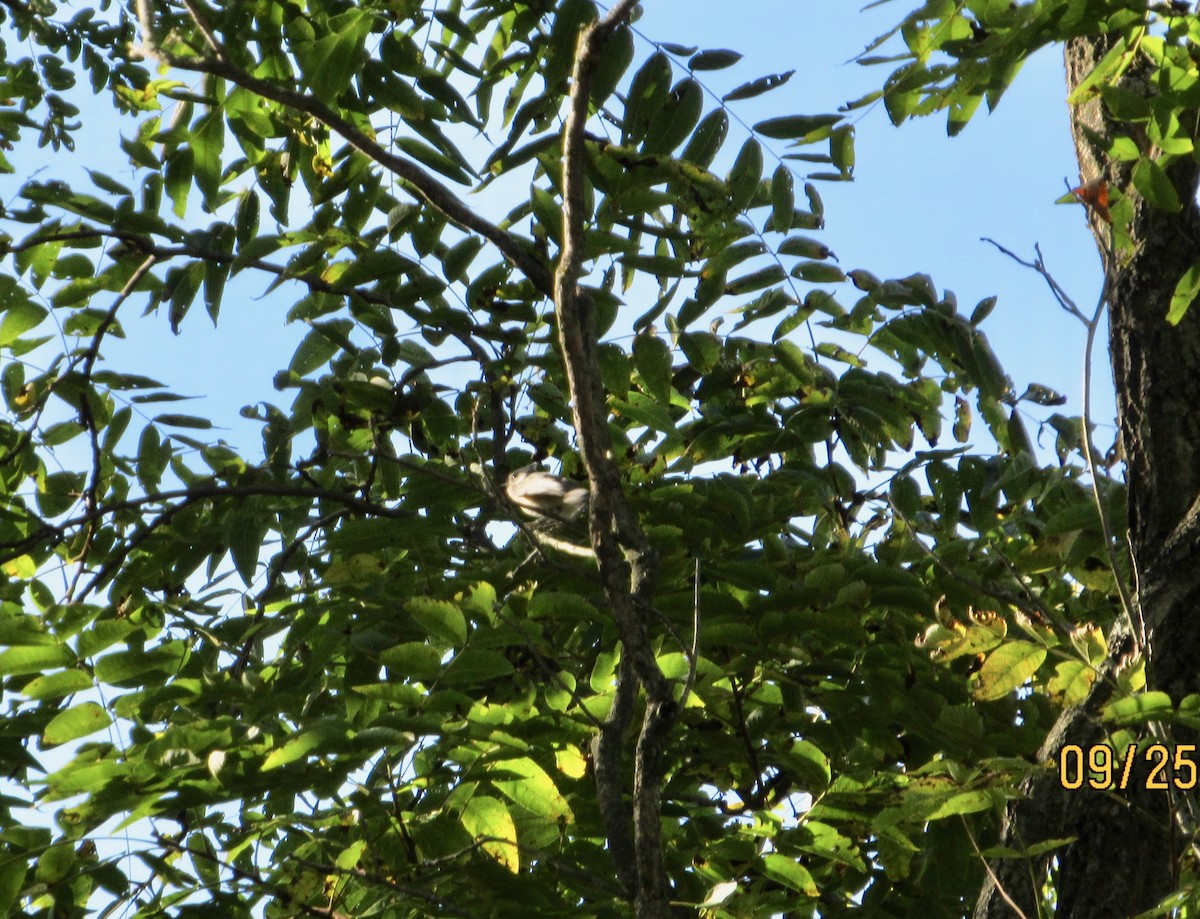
x,y
543,494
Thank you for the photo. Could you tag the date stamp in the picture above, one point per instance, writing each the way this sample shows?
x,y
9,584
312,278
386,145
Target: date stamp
x,y
1156,767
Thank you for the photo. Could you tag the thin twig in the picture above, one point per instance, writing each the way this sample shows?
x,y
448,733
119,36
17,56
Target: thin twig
x,y
992,874
1030,605
1039,265
1132,610
283,893
91,493
1091,324
205,29
693,655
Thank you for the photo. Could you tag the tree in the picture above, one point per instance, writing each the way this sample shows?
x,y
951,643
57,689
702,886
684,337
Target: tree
x,y
348,677
1134,113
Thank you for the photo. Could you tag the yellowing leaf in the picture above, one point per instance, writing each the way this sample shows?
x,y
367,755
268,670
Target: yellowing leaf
x,y
969,802
532,788
570,762
1071,682
440,618
790,873
21,568
488,819
1006,668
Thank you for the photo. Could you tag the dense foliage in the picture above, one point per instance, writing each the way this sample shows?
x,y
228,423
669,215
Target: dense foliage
x,y
343,675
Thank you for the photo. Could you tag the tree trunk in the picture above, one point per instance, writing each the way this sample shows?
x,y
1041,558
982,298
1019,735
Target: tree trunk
x,y
1126,849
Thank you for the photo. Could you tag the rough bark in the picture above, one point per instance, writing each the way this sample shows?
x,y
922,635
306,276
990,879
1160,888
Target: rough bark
x,y
624,556
1127,847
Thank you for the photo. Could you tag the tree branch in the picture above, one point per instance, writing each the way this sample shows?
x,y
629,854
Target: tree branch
x,y
91,493
419,182
626,561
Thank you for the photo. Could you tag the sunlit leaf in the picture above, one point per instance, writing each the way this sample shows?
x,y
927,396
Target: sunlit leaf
x,y
1008,668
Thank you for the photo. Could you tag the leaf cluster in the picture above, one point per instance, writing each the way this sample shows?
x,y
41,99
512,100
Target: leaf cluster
x,y
339,672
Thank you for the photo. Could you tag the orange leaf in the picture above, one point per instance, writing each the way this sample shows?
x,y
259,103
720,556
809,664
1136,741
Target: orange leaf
x,y
1094,196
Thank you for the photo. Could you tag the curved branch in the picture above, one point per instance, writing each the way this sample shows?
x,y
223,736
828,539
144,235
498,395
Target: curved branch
x,y
53,533
421,183
91,493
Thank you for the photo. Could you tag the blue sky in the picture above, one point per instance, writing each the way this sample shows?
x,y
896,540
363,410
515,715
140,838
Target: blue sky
x,y
920,200
920,203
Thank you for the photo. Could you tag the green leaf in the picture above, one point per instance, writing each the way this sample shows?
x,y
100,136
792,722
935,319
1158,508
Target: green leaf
x,y
756,280
20,316
792,127
184,421
1152,182
817,273
56,864
702,350
790,873
1139,709
56,685
757,87
707,139
413,660
123,668
80,721
962,108
841,149
618,55
969,802
313,352
472,666
458,259
644,410
180,168
319,738
652,358
216,271
1072,682
745,175
983,309
440,618
1186,291
246,219
488,819
675,121
34,659
717,59
329,62
12,879
208,141
647,94
811,763
1104,71
804,247
783,199
245,534
434,159
153,457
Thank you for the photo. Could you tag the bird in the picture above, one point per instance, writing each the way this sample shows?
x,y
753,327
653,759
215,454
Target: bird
x,y
543,494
